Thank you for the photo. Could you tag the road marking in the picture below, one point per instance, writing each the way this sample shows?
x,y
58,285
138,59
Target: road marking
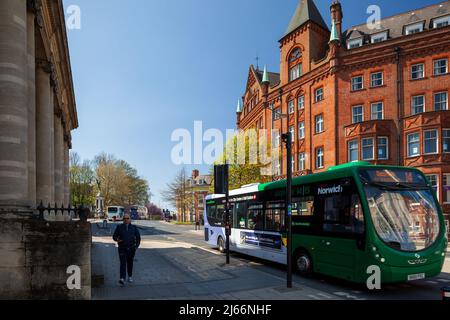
x,y
443,280
326,296
432,282
313,297
346,295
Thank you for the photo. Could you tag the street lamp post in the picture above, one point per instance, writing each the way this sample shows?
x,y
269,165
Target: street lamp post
x,y
287,139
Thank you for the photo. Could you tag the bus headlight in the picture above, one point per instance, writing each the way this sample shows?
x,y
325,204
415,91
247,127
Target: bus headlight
x,y
374,249
383,260
443,254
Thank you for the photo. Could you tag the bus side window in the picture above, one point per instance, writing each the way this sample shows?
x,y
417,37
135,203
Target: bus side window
x,y
211,214
303,206
241,215
274,217
220,215
255,217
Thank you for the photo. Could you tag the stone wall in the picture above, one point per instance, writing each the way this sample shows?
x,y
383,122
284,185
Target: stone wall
x,y
35,255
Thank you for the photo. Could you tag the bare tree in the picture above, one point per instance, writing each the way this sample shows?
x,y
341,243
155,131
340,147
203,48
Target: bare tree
x,y
179,193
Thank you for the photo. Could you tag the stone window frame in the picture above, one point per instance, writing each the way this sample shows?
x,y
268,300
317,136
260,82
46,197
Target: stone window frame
x,y
372,105
425,140
320,156
350,149
317,122
413,106
434,100
444,137
353,113
372,80
408,144
361,82
363,147
302,161
386,145
435,61
423,74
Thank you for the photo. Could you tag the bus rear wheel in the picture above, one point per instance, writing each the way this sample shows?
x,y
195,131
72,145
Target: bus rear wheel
x,y
303,263
221,245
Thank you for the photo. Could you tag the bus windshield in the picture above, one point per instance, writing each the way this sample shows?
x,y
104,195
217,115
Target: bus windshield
x,y
402,207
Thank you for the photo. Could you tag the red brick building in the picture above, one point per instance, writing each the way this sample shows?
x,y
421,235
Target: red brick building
x,y
374,94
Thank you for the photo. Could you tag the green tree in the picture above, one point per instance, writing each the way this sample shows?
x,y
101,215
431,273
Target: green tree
x,y
82,181
248,154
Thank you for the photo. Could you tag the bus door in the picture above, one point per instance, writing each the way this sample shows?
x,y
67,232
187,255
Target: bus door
x,y
341,229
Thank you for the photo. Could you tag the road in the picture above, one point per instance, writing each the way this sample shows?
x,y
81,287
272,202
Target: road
x,y
175,263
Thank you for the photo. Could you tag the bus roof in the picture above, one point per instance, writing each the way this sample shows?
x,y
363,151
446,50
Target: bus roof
x,y
336,172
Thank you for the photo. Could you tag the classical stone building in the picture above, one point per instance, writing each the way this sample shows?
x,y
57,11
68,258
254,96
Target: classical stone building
x,y
377,93
37,114
197,187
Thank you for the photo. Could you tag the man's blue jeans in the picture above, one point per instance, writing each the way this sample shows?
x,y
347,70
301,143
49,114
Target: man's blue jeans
x,y
126,261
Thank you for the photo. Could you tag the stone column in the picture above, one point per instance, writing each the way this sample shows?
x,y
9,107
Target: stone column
x,y
66,171
59,158
31,107
13,104
44,133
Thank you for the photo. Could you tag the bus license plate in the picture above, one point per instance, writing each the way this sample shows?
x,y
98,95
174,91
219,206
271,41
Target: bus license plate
x,y
418,276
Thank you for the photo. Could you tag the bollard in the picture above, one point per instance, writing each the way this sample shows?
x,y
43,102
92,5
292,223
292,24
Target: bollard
x,y
446,293
105,224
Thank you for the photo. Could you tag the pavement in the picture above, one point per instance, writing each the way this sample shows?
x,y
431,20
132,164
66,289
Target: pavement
x,y
174,262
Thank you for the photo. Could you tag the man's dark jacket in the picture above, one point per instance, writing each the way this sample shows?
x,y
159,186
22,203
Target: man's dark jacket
x,y
127,236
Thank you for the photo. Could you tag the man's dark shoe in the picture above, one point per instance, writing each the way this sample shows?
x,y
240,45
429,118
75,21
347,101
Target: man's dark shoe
x,y
122,282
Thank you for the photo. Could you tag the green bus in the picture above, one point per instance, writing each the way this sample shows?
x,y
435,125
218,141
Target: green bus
x,y
344,220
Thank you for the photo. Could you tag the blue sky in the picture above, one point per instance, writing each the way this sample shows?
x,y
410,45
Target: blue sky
x,y
143,68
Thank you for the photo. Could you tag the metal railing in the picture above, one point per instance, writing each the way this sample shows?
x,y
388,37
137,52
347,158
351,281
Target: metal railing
x,y
57,213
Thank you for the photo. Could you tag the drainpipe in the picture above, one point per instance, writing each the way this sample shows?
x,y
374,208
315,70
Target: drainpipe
x,y
399,105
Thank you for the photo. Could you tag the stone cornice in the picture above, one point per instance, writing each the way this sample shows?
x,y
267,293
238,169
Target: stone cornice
x,y
426,43
53,34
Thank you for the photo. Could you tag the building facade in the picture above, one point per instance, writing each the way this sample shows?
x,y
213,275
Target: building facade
x,y
37,115
197,188
37,104
377,93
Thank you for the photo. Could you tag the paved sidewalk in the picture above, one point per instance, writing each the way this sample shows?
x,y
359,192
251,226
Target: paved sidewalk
x,y
177,270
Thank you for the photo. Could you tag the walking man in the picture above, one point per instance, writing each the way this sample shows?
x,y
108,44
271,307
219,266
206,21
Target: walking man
x,y
128,238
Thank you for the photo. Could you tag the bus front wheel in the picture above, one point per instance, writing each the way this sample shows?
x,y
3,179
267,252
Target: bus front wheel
x,y
221,245
303,263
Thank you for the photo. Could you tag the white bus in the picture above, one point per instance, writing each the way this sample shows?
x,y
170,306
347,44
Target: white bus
x,y
139,212
115,213
247,236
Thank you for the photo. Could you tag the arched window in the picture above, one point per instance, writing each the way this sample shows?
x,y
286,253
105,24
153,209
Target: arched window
x,y
295,55
295,64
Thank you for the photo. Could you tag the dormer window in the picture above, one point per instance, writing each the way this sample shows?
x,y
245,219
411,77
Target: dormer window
x,y
414,28
379,37
441,22
295,55
355,43
295,72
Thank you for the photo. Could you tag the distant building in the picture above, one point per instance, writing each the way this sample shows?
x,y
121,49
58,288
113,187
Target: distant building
x,y
197,188
379,95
